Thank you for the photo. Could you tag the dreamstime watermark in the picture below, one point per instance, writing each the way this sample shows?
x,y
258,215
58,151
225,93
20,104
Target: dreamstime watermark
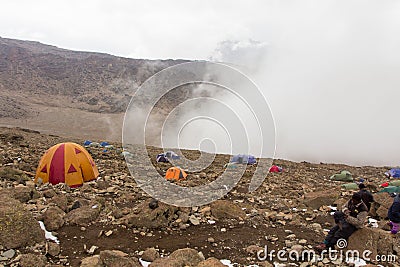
x,y
218,98
310,255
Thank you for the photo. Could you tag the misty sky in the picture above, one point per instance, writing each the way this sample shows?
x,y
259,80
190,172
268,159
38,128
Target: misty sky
x,y
329,69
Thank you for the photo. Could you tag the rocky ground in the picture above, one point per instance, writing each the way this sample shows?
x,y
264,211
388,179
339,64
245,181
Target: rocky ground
x,y
108,222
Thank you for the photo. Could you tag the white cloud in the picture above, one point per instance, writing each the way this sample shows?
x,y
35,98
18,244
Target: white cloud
x,y
330,74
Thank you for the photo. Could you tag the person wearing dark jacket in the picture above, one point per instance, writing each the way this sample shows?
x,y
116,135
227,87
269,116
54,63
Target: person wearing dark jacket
x,y
366,196
352,217
394,215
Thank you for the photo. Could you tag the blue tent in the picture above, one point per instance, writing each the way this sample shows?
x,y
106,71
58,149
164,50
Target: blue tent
x,y
244,159
171,155
395,173
104,144
162,158
87,142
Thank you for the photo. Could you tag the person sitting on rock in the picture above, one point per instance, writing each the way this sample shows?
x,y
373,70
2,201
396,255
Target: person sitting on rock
x,y
394,215
366,196
352,217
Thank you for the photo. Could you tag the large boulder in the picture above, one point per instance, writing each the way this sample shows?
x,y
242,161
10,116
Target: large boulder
x,y
378,241
116,258
23,193
93,261
321,198
190,257
61,201
32,260
18,228
150,254
53,218
383,199
143,216
223,209
84,215
381,206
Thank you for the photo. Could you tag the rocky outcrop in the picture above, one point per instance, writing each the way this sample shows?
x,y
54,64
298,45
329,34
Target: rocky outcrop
x,y
17,226
377,241
320,198
53,218
83,216
222,209
143,216
116,258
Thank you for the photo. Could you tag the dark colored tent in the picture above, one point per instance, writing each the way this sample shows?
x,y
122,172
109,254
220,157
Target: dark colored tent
x,y
161,158
244,159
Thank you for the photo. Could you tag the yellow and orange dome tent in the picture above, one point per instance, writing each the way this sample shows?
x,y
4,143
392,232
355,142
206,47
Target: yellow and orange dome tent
x,y
67,163
175,173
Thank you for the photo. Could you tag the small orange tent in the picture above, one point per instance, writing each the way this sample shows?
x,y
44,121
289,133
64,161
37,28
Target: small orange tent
x,y
175,173
66,163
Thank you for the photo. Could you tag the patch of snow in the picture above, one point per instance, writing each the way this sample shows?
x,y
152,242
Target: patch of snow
x,y
48,234
230,264
332,207
227,263
373,223
356,262
211,222
144,263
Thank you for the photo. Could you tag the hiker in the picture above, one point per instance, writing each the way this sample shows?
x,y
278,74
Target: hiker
x,y
366,196
351,218
394,215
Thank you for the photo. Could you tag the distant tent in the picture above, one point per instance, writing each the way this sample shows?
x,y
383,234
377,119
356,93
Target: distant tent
x,y
230,165
67,163
162,158
165,157
103,144
175,173
171,155
395,173
391,189
94,144
344,176
275,168
87,142
244,159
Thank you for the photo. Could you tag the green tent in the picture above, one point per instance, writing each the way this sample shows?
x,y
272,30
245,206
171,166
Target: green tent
x,y
391,189
344,176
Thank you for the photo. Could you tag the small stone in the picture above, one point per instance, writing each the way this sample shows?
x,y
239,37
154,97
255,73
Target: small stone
x,y
194,220
291,236
108,233
298,248
101,233
326,261
205,209
150,254
9,254
223,229
53,249
302,241
92,250
210,239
